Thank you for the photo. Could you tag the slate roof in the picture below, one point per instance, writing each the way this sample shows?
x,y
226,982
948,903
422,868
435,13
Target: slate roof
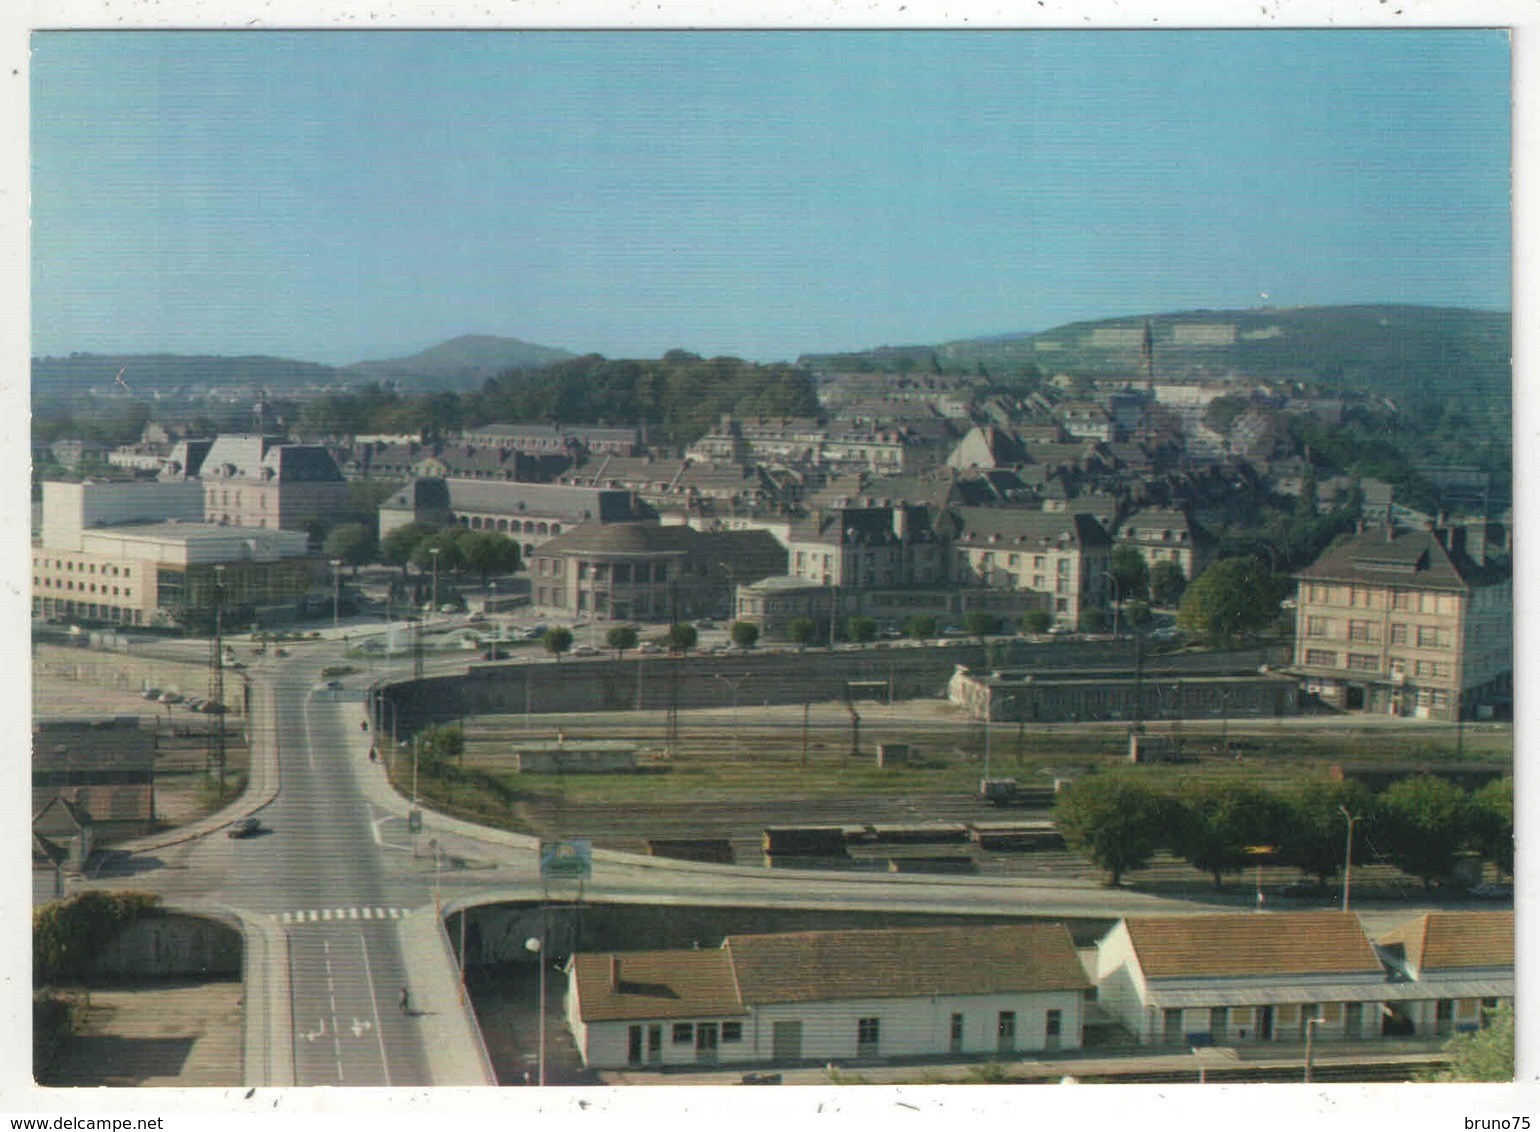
x,y
657,984
1023,528
1395,558
1250,945
1442,941
904,962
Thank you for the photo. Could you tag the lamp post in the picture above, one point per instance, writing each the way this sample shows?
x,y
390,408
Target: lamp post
x,y
1117,600
434,551
336,591
1310,1025
733,684
1347,858
536,944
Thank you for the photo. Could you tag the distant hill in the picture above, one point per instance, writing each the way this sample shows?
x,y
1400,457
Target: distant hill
x,y
460,363
76,374
1408,353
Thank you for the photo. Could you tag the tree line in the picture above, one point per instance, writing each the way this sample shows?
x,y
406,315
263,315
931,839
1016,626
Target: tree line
x,y
1422,824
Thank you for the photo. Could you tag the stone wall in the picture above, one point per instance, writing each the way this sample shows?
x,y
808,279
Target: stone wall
x,y
174,945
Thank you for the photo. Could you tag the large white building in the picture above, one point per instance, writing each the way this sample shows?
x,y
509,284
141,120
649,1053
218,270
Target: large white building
x,y
138,554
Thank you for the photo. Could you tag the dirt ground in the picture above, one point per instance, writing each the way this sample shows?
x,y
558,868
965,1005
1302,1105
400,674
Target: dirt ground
x,y
161,1034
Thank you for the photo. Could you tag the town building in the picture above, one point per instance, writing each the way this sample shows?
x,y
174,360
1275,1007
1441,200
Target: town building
x,y
1240,978
576,441
1039,695
643,571
861,548
1162,534
1461,964
975,992
260,481
1061,556
125,554
96,773
1416,624
529,513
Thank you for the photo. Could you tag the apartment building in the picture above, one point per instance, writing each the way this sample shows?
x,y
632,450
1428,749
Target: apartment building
x,y
1405,623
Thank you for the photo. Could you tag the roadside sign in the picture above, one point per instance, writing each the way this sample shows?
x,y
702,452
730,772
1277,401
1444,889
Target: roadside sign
x,y
566,860
414,821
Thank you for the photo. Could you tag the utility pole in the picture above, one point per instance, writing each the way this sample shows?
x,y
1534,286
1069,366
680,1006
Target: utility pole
x,y
217,683
1347,859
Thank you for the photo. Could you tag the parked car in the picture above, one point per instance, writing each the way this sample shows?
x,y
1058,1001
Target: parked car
x,y
152,693
585,650
246,827
494,654
171,697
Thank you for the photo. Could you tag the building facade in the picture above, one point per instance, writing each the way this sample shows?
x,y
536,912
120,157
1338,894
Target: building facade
x,y
1416,624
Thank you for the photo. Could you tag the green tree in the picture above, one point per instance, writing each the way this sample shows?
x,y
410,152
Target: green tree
x,y
1167,582
1113,819
1313,835
1491,823
68,935
557,640
353,543
1217,822
1136,613
621,638
438,747
682,637
861,629
399,544
1422,825
745,634
981,623
801,631
451,554
1094,620
1130,572
1035,621
488,553
1486,1054
1232,597
920,627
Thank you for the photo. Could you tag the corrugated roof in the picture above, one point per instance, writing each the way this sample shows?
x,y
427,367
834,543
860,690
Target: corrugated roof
x,y
656,984
1452,940
1304,943
815,966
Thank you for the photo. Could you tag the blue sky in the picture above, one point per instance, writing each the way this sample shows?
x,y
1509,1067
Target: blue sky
x,y
335,196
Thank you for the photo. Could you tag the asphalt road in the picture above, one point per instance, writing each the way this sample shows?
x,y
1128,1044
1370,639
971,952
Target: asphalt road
x,y
337,873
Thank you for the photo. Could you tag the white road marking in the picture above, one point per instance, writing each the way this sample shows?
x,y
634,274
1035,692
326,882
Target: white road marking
x,y
319,1031
374,1000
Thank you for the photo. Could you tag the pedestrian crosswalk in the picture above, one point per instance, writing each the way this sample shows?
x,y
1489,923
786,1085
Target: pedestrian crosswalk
x,y
324,915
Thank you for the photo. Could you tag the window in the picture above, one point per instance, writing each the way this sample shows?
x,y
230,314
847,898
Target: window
x,y
1317,627
868,1034
684,1033
957,1033
1397,633
1363,631
1432,637
732,1031
1039,562
1321,658
1005,1030
1402,600
1362,662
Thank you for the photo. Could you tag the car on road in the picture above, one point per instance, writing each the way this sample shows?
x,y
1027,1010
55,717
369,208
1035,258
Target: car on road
x,y
494,654
171,697
334,685
1300,888
650,649
152,693
585,650
246,827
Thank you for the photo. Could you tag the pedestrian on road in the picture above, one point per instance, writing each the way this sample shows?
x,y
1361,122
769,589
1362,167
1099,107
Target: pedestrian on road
x,y
406,1001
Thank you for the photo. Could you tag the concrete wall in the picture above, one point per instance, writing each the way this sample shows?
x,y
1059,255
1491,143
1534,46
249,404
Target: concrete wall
x,y
652,683
174,945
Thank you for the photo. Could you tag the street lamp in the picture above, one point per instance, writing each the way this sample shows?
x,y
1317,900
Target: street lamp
x,y
1310,1025
536,945
336,591
1347,862
434,551
1117,600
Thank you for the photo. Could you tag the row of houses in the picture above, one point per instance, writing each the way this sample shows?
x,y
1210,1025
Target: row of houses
x,y
1009,990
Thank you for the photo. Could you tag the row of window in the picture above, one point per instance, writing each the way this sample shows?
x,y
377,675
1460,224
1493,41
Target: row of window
x,y
85,567
1368,632
1370,662
45,582
1372,597
59,607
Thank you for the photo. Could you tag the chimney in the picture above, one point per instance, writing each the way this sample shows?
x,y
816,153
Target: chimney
x,y
1476,542
614,974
